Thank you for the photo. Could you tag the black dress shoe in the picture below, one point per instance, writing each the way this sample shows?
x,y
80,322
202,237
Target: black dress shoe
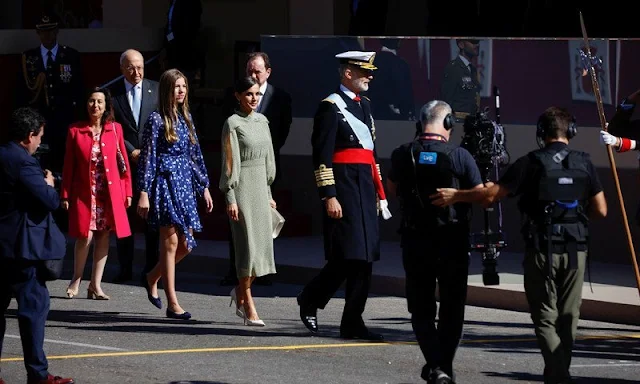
x,y
123,277
263,280
308,315
229,281
361,334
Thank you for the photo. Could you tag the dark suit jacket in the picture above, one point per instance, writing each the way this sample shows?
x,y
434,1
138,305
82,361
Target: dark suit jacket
x,y
122,109
460,87
27,228
184,52
276,106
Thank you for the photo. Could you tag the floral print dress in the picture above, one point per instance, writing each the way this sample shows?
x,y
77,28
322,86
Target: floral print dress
x,y
101,218
173,175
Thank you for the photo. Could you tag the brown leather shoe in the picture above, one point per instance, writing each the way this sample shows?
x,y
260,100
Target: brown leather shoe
x,y
53,380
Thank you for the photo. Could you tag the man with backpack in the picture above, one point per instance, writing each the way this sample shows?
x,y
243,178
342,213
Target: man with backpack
x,y
434,240
559,190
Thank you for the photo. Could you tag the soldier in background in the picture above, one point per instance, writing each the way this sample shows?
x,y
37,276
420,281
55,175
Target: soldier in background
x,y
51,82
460,84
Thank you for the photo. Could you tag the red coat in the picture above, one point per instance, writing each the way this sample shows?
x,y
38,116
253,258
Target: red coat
x,y
76,181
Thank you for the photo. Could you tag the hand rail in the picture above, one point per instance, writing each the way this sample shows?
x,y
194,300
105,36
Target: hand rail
x,y
105,85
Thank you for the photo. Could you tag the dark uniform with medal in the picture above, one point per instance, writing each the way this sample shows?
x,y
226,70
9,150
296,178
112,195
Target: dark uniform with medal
x,y
460,84
347,177
51,82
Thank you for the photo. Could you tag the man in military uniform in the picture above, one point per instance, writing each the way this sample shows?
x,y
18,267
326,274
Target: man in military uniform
x,y
559,189
51,82
434,240
460,84
350,186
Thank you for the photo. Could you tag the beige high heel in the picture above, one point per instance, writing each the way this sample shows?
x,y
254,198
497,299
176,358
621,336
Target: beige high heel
x,y
71,293
92,294
251,323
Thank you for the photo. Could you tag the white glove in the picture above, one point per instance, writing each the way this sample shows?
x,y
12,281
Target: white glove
x,y
384,207
607,139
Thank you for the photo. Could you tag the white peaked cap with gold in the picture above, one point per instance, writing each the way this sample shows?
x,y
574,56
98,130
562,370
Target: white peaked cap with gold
x,y
361,59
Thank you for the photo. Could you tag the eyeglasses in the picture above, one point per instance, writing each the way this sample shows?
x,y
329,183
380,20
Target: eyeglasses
x,y
131,68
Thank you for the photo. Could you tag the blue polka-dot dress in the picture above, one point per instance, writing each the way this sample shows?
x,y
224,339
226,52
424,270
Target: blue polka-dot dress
x,y
172,174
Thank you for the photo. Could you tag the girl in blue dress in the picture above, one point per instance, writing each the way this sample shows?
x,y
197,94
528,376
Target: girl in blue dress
x,y
171,172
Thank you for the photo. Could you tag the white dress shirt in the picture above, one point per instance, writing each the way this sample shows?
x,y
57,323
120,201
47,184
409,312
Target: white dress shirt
x,y
347,92
466,62
138,90
44,52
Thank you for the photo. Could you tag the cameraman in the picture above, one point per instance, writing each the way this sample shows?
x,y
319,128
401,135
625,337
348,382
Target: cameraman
x,y
28,238
435,241
559,187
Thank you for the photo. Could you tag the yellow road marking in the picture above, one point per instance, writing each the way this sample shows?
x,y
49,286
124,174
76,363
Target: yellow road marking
x,y
299,347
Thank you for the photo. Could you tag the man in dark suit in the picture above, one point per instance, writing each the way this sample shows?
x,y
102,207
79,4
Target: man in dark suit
x,y
28,237
275,104
51,82
182,38
460,86
134,98
391,91
350,187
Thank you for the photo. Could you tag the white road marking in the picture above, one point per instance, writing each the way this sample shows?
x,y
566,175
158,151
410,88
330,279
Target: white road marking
x,y
73,344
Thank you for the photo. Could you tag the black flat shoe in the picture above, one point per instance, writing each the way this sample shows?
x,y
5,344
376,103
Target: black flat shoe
x,y
153,300
179,316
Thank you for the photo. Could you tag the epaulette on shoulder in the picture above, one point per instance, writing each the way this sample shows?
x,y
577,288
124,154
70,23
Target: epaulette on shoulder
x,y
329,100
365,97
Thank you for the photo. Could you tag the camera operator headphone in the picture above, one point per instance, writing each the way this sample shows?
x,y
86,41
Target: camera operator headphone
x,y
448,122
543,127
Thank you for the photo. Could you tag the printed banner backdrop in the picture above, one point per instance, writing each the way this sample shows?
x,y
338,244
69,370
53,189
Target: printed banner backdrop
x,y
531,74
581,85
483,63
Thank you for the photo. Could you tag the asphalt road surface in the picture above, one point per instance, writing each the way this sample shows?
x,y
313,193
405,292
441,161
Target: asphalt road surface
x,y
127,340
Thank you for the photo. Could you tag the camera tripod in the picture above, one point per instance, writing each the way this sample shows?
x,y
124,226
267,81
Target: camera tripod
x,y
489,242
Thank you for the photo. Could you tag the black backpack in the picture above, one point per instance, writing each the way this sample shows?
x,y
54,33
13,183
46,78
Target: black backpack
x,y
432,168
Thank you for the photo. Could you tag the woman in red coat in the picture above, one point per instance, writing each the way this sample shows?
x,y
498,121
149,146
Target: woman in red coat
x,y
96,189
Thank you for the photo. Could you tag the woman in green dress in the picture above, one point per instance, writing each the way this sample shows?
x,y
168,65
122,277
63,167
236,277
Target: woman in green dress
x,y
248,169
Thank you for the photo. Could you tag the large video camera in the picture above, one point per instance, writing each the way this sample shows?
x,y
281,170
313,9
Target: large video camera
x,y
42,154
486,141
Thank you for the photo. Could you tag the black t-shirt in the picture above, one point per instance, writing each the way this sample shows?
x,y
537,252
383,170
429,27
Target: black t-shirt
x,y
524,173
463,164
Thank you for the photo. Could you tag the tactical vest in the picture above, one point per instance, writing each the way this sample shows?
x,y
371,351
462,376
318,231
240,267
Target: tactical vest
x,y
557,222
432,168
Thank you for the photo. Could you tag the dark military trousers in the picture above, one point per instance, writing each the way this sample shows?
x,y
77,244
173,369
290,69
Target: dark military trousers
x,y
357,274
555,310
19,278
437,256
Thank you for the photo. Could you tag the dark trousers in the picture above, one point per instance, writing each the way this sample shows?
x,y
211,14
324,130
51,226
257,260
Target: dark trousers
x,y
442,257
321,289
20,279
126,245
